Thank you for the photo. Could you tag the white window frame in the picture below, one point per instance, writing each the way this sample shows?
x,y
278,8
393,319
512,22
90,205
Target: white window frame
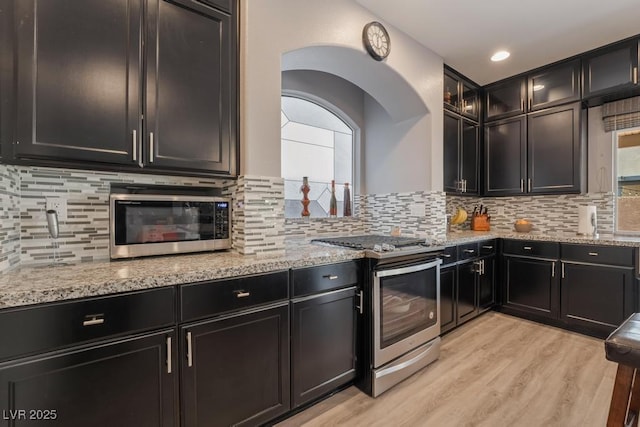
x,y
616,135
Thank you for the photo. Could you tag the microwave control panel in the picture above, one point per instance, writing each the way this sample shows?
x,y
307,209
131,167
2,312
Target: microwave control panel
x,y
222,219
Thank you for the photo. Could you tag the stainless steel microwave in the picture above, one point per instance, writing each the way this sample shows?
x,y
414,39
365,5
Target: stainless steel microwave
x,y
150,224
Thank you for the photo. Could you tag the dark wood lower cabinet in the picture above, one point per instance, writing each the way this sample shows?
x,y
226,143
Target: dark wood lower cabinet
x,y
235,369
531,286
467,291
323,337
597,297
127,383
447,298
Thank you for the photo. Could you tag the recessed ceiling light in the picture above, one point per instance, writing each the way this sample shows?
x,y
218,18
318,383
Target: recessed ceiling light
x,y
500,55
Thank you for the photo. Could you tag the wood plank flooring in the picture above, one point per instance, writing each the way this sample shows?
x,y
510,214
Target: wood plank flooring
x,y
496,370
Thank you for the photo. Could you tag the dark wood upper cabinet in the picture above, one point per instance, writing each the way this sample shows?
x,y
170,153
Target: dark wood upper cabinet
x,y
461,95
553,150
461,155
505,156
554,85
505,99
610,70
78,82
189,81
140,84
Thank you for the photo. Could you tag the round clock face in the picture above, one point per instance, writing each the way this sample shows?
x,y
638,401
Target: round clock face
x,y
376,40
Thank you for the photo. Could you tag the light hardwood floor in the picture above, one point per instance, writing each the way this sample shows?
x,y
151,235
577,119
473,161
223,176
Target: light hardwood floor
x,y
496,370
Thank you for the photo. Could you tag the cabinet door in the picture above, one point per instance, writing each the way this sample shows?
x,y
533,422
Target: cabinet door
x,y
451,153
190,102
129,383
470,101
505,149
486,284
236,369
451,95
78,80
447,298
467,294
611,70
555,85
531,286
597,297
505,99
323,338
470,156
554,150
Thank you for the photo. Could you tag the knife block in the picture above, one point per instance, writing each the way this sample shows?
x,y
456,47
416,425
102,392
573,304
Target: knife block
x,y
480,222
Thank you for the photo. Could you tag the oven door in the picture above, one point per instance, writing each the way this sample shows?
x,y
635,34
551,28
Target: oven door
x,y
406,309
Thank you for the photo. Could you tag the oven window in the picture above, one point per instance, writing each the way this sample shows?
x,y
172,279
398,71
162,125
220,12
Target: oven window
x,y
139,222
409,304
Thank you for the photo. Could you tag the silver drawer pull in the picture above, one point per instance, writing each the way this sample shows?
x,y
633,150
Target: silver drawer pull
x,y
330,277
593,253
469,251
487,247
527,248
242,294
93,319
446,256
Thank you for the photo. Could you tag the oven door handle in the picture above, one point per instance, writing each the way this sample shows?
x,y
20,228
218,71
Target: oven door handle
x,y
408,269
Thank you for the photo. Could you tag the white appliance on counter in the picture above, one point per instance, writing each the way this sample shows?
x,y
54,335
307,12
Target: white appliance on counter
x,y
587,220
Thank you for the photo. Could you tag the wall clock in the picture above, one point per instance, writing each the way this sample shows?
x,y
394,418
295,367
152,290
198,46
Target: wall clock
x,y
376,40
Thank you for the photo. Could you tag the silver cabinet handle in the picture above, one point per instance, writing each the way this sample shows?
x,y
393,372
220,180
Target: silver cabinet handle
x,y
445,256
469,251
522,104
330,277
522,185
135,145
151,147
93,319
242,294
553,269
635,75
529,181
527,248
189,354
482,267
359,306
562,265
593,253
487,247
530,102
169,355
464,185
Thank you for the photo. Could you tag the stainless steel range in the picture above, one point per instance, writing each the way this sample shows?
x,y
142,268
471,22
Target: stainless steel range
x,y
401,307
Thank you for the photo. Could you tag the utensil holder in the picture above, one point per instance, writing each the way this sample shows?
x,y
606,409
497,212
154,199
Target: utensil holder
x,y
480,222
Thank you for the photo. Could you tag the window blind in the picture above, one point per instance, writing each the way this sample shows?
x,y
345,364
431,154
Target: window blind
x,y
621,114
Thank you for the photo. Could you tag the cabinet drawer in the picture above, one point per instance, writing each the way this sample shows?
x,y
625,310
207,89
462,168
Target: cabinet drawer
x,y
598,254
210,298
312,280
50,326
449,255
531,248
488,248
466,251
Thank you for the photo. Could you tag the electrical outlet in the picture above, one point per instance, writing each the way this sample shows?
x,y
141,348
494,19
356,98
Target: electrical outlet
x,y
500,210
58,204
417,209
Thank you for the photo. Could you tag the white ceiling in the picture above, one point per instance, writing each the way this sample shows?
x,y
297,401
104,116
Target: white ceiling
x,y
467,32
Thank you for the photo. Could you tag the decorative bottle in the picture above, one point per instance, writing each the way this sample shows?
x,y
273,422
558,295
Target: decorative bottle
x,y
305,197
333,204
346,211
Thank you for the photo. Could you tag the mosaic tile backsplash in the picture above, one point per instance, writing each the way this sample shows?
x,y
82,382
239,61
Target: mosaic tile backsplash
x,y
9,217
84,235
547,213
258,215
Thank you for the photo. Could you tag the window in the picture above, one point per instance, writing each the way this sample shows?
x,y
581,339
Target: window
x,y
318,144
628,181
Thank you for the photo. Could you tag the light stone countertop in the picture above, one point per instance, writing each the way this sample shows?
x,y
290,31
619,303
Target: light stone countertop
x,y
33,285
